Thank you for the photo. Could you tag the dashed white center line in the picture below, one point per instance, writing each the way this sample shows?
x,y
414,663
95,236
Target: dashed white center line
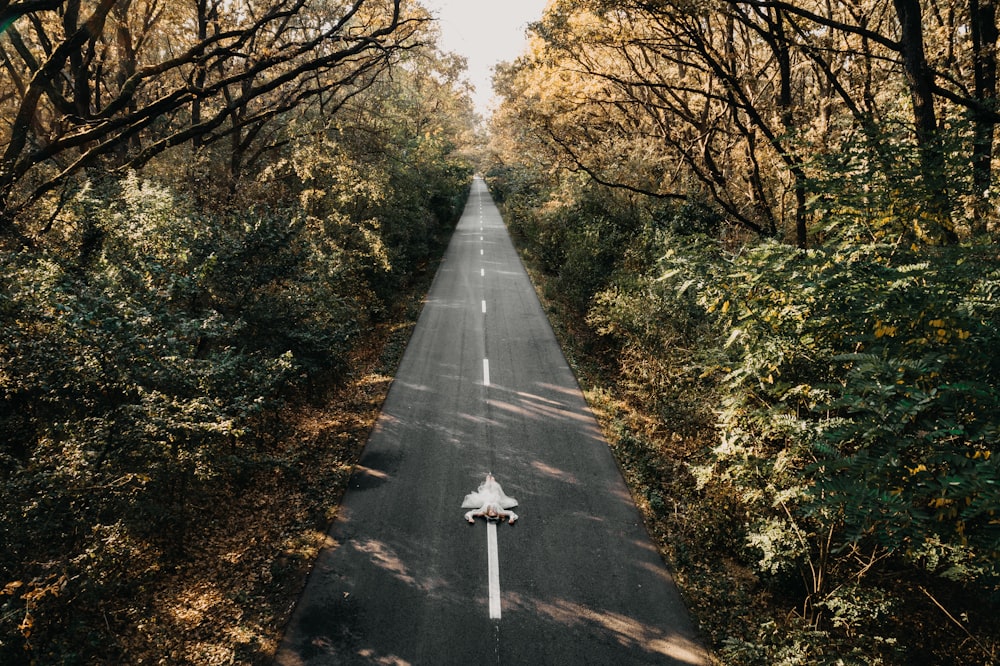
x,y
491,527
494,569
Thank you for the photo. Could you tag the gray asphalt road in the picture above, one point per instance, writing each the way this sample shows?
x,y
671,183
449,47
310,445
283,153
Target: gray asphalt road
x,y
483,386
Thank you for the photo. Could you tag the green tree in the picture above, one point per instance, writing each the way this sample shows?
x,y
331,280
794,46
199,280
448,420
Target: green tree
x,y
156,330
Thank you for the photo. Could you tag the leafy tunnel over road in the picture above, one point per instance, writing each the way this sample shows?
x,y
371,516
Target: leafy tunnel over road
x,y
405,581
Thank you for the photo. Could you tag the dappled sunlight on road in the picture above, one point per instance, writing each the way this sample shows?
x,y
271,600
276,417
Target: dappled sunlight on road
x,y
553,473
570,391
420,388
548,403
627,631
622,494
529,405
384,557
586,517
361,470
373,658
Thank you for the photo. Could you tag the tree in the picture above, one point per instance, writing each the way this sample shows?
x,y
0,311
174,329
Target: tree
x,y
983,32
756,99
115,87
160,325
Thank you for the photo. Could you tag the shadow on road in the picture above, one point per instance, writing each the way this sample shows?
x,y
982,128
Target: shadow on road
x,y
581,582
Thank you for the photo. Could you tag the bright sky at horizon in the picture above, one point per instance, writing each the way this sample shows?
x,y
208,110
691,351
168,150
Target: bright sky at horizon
x,y
486,32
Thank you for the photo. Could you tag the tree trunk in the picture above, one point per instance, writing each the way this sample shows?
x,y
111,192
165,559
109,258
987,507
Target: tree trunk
x,y
781,51
982,17
921,82
200,73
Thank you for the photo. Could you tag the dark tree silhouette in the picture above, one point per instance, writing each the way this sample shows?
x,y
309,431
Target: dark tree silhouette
x,y
133,78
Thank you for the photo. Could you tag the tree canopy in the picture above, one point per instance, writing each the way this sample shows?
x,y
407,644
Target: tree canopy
x,y
113,84
754,107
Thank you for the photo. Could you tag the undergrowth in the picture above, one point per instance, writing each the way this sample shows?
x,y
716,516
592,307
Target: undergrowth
x,y
711,380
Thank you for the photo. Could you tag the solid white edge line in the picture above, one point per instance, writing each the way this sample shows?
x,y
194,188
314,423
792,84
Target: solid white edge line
x,y
494,569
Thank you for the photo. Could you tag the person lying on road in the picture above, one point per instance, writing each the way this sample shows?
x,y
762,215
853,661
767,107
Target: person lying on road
x,y
490,502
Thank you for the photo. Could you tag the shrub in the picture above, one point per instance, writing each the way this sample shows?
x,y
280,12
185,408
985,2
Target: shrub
x,y
858,420
132,385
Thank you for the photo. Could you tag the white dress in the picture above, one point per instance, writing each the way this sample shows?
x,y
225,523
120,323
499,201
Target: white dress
x,y
489,501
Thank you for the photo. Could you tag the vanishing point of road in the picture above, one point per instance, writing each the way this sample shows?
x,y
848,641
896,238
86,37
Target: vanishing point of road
x,y
483,387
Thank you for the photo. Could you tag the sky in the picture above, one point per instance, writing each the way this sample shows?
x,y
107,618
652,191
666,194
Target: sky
x,y
486,32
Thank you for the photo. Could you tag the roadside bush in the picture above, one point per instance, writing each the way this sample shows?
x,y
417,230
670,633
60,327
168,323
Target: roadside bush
x,y
661,332
579,234
874,377
859,417
136,386
376,217
855,393
519,191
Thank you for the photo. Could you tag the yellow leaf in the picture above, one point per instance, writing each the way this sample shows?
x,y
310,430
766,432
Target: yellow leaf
x,y
883,330
26,624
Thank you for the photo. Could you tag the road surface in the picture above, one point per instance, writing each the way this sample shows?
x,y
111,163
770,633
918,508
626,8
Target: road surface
x,y
483,387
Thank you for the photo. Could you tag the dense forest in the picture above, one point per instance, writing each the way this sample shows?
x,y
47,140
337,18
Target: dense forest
x,y
206,208
768,230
